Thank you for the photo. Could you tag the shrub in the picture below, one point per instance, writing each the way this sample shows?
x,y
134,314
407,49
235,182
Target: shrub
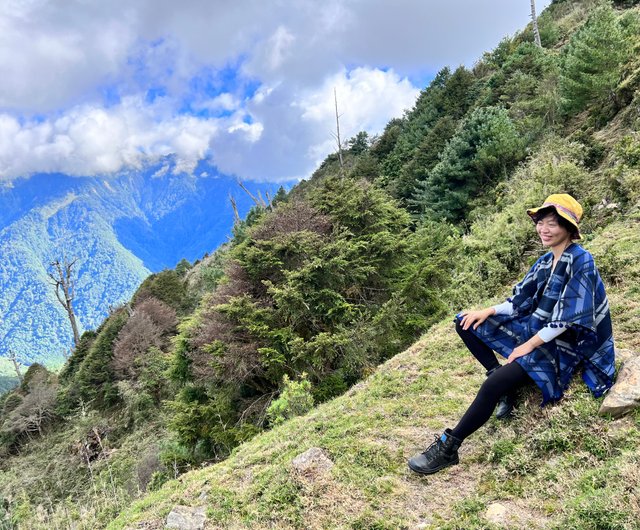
x,y
295,400
147,328
167,286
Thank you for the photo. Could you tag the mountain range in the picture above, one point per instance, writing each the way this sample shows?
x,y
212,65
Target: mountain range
x,y
118,229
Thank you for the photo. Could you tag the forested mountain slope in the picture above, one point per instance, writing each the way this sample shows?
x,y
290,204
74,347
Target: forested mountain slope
x,y
118,229
342,274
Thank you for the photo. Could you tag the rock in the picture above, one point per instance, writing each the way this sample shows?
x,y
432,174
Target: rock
x,y
496,513
624,354
625,393
186,518
314,461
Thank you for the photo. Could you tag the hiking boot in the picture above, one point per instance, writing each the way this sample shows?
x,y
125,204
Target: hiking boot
x,y
504,409
505,405
443,452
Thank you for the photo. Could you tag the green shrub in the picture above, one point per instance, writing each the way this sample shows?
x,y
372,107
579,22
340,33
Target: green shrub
x,y
167,286
295,399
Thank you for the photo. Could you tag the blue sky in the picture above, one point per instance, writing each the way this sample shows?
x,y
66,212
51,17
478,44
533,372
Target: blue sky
x,y
96,88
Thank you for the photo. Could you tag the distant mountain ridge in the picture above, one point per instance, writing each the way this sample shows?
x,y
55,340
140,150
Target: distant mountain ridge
x,y
120,229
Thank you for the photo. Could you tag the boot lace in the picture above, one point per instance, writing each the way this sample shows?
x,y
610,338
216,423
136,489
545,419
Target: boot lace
x,y
433,449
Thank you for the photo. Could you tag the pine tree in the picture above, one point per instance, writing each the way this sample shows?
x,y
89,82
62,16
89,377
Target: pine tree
x,y
483,150
593,61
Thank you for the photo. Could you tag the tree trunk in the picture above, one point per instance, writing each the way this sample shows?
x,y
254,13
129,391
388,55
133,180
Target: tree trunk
x,y
335,98
16,366
534,20
63,281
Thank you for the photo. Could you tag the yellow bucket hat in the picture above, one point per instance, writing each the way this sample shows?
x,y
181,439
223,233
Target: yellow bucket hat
x,y
566,206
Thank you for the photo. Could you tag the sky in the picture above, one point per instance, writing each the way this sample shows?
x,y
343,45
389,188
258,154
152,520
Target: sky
x,y
94,88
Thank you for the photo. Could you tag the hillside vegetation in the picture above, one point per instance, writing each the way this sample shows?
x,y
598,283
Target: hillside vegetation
x,y
205,386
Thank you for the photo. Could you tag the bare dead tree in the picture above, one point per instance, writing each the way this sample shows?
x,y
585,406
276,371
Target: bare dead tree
x,y
64,281
16,366
236,214
259,201
534,20
337,135
37,408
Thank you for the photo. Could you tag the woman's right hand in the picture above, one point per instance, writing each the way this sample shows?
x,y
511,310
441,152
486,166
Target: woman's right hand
x,y
475,318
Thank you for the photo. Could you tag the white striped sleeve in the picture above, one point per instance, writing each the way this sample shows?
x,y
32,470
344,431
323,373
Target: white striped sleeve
x,y
547,333
505,308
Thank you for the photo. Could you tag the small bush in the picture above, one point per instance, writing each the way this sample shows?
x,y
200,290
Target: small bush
x,y
295,399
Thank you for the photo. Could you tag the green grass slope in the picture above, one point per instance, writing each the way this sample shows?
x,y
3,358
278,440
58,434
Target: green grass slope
x,y
561,466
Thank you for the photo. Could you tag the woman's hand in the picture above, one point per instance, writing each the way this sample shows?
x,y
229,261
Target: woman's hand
x,y
520,351
475,318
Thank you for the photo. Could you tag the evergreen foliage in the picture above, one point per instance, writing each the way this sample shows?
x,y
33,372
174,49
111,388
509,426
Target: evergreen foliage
x,y
94,381
526,84
593,59
484,149
169,287
424,130
295,399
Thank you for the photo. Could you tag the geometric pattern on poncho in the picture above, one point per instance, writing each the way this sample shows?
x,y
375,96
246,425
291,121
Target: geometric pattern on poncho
x,y
572,296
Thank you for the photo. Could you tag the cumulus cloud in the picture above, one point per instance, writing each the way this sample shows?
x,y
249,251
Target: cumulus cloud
x,y
297,126
90,140
248,84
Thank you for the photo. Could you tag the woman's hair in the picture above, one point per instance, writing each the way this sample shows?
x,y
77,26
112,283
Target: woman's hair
x,y
546,212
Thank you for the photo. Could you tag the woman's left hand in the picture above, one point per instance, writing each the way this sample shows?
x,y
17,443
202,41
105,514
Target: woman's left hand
x,y
520,351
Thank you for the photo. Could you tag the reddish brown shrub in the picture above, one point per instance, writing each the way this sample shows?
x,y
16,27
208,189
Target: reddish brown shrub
x,y
296,216
135,338
160,314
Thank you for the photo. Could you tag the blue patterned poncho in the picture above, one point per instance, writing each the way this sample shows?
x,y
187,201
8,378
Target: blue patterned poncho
x,y
573,296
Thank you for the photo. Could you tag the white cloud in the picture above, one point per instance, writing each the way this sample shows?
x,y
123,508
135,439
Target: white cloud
x,y
75,76
297,127
90,140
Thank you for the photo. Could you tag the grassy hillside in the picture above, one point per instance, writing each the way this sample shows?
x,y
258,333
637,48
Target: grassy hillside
x,y
560,466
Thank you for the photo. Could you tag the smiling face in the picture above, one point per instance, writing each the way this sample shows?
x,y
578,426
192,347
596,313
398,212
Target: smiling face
x,y
552,233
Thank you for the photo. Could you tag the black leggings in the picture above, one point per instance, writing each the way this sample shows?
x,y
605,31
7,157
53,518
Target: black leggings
x,y
504,380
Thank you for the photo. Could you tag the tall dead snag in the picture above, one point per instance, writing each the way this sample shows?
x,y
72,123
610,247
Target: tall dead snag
x,y
259,201
16,366
337,135
534,20
63,280
236,214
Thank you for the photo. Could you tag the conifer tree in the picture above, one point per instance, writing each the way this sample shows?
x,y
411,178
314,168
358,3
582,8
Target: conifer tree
x,y
593,60
485,147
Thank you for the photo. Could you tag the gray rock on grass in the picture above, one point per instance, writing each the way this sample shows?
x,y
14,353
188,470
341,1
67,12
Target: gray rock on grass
x,y
624,396
313,462
186,518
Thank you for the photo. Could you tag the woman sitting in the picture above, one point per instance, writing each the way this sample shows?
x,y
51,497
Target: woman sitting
x,y
557,319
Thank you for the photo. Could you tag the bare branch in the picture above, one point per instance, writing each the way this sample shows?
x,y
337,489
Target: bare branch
x,y
64,283
16,366
234,205
256,200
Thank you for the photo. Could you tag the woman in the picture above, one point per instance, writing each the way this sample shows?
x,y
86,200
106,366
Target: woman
x,y
557,319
